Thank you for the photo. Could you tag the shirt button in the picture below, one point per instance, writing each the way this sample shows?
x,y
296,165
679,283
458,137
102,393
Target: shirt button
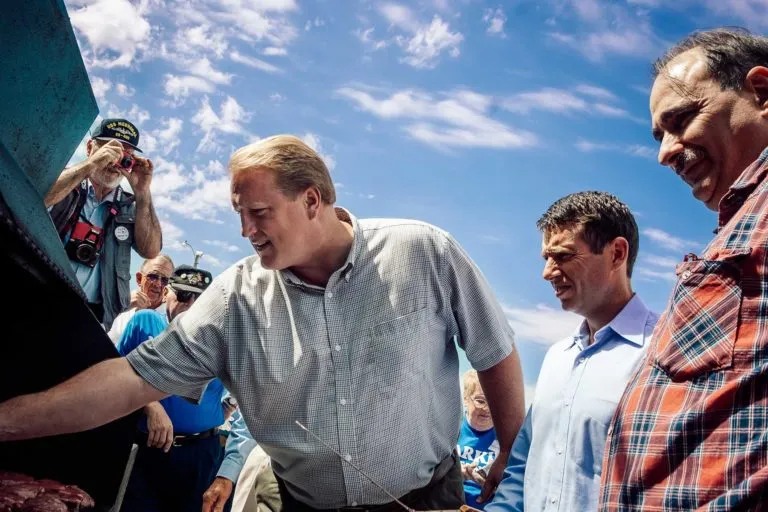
x,y
566,404
559,452
329,295
337,348
343,402
348,458
553,500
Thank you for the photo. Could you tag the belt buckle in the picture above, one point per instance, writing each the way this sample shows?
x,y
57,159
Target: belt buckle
x,y
176,440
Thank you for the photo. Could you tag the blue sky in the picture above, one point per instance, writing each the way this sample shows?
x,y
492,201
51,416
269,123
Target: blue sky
x,y
471,115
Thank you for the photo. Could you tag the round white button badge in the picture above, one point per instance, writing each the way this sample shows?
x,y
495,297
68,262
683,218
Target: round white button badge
x,y
122,233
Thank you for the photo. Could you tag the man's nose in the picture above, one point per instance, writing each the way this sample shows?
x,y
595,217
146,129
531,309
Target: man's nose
x,y
550,270
669,149
247,225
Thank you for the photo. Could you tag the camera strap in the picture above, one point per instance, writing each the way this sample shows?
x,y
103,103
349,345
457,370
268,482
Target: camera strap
x,y
113,208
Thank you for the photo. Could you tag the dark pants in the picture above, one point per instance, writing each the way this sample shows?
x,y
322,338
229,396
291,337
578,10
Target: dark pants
x,y
444,492
173,481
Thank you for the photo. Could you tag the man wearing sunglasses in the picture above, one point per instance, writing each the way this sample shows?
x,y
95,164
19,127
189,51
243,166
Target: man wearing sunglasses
x,y
152,279
179,448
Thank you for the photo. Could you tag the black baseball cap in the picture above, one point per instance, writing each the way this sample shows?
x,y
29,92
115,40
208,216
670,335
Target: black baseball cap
x,y
118,129
190,279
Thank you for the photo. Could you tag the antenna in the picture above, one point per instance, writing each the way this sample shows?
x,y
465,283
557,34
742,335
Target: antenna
x,y
406,507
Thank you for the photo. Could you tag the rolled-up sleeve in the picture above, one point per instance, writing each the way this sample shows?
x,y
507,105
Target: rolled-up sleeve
x,y
183,359
239,446
483,331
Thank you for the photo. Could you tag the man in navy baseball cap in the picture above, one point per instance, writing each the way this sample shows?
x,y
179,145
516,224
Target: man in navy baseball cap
x,y
99,222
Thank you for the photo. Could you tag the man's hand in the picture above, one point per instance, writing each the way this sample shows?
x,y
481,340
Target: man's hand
x,y
159,426
140,176
108,154
467,470
495,473
217,495
139,300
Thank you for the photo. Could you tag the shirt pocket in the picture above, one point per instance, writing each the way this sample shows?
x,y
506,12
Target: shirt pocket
x,y
399,350
698,333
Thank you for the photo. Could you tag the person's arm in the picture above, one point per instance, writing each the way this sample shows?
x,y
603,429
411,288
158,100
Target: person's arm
x,y
509,495
104,392
148,236
239,446
109,153
504,390
486,337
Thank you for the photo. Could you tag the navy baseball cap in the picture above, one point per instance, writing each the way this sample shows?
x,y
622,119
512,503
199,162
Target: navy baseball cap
x,y
118,129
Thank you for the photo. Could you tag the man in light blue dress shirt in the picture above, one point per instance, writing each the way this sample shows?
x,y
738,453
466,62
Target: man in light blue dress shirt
x,y
590,244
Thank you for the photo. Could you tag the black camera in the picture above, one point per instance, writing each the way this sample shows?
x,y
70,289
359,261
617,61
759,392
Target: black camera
x,y
127,162
84,246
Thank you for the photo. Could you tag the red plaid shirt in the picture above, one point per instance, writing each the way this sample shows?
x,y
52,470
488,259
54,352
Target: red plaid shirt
x,y
691,430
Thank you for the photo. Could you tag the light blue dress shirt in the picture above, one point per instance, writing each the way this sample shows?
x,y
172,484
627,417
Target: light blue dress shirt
x,y
239,446
557,458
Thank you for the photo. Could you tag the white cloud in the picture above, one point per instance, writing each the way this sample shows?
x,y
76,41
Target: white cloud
x,y
627,42
277,97
661,261
655,275
271,50
179,87
428,43
212,261
495,20
100,87
225,246
366,37
596,92
135,114
164,139
125,91
313,141
229,121
425,43
257,20
116,31
553,100
172,234
204,202
638,150
205,70
317,22
456,119
190,41
542,324
167,177
668,241
254,63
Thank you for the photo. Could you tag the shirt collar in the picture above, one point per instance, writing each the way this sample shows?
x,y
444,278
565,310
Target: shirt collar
x,y
346,269
742,188
629,324
109,198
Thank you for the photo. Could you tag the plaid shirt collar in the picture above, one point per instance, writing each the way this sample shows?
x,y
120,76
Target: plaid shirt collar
x,y
742,188
629,324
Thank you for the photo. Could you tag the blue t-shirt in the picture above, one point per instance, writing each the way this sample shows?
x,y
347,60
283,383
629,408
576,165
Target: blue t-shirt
x,y
187,418
481,448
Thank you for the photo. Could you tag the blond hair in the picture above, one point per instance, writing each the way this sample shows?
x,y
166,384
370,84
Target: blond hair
x,y
471,383
296,165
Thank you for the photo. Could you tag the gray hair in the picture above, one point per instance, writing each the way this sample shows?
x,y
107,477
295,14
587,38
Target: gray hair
x,y
161,256
730,52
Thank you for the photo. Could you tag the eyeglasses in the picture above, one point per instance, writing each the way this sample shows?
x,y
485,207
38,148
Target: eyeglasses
x,y
480,402
157,277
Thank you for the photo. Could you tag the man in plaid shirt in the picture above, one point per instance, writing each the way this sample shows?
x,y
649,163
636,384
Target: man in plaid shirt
x,y
691,431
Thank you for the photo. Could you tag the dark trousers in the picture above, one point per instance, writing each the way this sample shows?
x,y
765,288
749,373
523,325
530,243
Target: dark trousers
x,y
173,481
445,491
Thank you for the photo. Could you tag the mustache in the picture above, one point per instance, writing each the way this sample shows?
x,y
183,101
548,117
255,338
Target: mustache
x,y
684,159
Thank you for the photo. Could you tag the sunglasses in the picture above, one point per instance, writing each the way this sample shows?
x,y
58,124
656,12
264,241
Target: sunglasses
x,y
157,277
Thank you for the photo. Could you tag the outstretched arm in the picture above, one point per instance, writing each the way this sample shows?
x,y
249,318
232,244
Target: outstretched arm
x,y
94,397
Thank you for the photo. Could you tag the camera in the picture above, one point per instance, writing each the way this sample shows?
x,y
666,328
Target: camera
x,y
127,162
84,246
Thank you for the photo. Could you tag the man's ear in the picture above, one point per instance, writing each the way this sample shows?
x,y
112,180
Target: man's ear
x,y
89,147
139,278
165,293
757,83
312,201
619,252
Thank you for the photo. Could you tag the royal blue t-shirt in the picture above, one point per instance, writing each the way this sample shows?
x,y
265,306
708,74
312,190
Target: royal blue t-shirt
x,y
187,418
480,447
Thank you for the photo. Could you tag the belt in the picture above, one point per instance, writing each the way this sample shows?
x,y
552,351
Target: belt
x,y
183,439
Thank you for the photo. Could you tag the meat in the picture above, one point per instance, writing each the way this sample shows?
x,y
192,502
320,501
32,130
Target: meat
x,y
44,503
21,493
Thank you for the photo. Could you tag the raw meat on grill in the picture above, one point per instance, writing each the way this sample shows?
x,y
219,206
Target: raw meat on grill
x,y
44,503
